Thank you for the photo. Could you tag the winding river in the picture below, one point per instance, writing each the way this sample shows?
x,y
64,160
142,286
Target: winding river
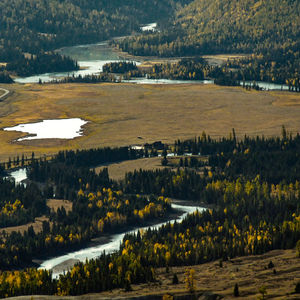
x,y
92,57
62,263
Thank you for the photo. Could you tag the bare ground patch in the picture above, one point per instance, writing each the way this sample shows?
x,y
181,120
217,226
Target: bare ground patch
x,y
55,204
219,59
117,171
37,226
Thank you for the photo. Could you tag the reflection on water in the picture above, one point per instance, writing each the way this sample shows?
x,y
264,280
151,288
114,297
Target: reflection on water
x,y
91,52
50,129
90,67
91,59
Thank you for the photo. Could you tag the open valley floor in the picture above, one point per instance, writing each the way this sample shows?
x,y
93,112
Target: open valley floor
x,y
127,114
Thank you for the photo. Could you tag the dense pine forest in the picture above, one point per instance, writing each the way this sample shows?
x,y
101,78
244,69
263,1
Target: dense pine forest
x,y
251,186
34,27
41,63
119,67
223,26
48,24
267,29
248,188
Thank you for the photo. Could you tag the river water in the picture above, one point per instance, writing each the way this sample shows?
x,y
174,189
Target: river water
x,y
92,57
66,261
112,246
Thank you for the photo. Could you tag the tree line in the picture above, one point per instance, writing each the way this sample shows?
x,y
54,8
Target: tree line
x,y
223,26
41,63
254,209
119,67
5,78
42,25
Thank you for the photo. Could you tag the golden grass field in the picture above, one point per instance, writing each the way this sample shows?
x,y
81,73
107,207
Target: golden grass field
x,y
118,170
55,204
150,61
37,225
250,273
124,114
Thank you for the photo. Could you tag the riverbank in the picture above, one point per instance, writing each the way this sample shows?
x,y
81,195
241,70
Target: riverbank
x,y
111,243
66,265
149,61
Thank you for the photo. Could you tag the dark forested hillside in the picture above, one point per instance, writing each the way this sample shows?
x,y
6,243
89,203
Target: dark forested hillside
x,y
46,24
225,26
33,27
267,29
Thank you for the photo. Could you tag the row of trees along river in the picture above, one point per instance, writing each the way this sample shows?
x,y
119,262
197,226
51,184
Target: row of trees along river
x,y
251,186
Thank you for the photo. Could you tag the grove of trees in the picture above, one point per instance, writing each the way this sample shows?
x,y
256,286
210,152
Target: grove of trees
x,y
251,186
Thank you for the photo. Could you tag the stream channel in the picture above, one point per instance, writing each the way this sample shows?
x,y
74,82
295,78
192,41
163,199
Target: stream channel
x,y
63,263
92,57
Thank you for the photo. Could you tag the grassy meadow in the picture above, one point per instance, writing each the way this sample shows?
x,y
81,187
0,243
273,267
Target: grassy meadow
x,y
124,114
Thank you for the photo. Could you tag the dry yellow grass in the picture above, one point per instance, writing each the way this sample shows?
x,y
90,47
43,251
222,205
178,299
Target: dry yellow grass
x,y
55,204
148,64
120,113
117,171
37,226
219,59
250,273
